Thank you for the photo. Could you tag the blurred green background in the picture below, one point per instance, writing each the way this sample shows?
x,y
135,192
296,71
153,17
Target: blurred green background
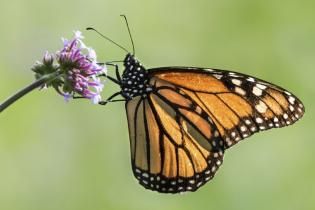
x,y
58,156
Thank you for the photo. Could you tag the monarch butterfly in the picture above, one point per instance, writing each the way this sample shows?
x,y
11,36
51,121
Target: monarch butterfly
x,y
182,119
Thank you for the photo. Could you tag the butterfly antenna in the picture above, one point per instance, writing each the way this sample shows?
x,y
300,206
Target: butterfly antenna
x,y
133,45
115,43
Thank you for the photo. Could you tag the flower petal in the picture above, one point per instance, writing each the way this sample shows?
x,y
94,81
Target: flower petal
x,y
65,41
96,99
78,35
91,54
67,97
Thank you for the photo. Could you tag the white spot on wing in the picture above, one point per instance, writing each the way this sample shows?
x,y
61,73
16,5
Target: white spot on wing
x,y
227,139
250,79
236,82
240,91
259,120
216,133
261,107
229,143
291,100
218,76
263,87
257,91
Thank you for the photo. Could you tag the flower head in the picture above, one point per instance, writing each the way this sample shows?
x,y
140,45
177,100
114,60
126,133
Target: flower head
x,y
78,69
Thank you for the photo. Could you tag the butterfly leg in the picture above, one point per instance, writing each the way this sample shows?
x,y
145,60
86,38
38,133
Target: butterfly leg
x,y
103,102
110,99
78,97
110,78
118,80
116,70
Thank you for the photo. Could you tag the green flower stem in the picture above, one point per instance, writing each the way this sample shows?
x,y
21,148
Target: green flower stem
x,y
27,89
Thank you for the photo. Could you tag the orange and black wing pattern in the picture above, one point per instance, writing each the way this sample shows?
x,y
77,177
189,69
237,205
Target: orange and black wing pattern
x,y
175,146
239,105
180,129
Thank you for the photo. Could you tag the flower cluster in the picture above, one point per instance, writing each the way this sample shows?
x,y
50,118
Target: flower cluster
x,y
78,70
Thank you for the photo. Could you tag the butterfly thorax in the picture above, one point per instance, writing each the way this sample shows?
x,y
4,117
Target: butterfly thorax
x,y
134,80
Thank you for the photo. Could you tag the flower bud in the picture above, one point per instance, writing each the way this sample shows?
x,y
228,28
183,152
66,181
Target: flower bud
x,y
48,59
37,67
45,67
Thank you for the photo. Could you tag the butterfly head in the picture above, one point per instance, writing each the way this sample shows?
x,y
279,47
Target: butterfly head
x,y
134,78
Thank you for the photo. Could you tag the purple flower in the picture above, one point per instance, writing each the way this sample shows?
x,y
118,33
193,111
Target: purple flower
x,y
73,71
79,70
